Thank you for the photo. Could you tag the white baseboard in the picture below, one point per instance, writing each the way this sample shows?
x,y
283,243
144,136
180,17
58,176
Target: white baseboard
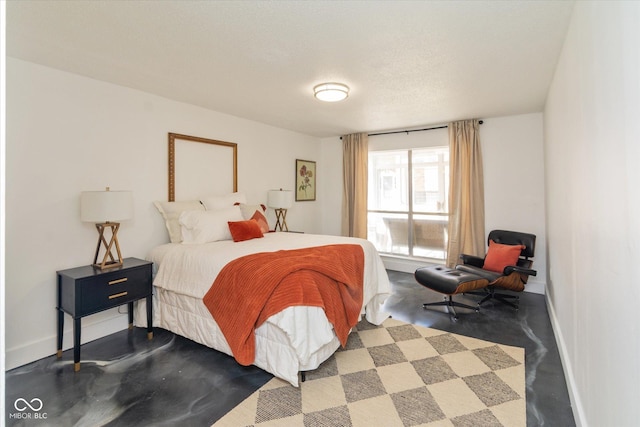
x,y
574,396
404,265
92,329
536,286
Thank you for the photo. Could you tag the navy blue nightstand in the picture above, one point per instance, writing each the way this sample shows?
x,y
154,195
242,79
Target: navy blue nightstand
x,y
88,290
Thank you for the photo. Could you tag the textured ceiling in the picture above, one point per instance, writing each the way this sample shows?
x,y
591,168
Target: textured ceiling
x,y
408,63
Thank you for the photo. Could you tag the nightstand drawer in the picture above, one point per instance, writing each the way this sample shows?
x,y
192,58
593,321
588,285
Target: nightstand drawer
x,y
113,289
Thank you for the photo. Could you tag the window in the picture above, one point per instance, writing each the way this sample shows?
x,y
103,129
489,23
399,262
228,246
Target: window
x,y
408,207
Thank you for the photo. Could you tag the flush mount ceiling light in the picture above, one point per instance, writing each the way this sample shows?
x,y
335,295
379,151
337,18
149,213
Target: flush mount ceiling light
x,y
331,92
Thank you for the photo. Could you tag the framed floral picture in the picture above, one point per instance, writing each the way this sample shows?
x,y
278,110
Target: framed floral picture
x,y
305,180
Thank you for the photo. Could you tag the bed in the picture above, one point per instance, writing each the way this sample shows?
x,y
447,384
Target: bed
x,y
295,339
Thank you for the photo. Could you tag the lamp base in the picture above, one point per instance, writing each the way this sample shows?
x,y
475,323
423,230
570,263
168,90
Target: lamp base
x,y
109,260
281,220
107,265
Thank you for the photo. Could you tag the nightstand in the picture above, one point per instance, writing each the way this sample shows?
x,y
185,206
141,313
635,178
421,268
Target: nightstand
x,y
88,290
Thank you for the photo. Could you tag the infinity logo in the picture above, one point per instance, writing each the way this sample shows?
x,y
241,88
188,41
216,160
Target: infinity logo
x,y
22,404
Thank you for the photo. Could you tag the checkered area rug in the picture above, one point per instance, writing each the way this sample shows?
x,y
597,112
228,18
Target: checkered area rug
x,y
398,374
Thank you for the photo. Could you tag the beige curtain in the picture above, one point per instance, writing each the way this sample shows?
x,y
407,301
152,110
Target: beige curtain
x,y
355,154
466,191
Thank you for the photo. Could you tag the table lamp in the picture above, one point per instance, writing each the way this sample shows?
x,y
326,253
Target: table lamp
x,y
102,208
280,201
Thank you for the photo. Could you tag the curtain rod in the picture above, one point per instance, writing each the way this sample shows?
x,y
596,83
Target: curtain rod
x,y
412,130
408,131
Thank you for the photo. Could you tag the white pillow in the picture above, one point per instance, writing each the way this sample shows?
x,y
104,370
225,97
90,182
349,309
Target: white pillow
x,y
249,210
212,203
171,211
208,226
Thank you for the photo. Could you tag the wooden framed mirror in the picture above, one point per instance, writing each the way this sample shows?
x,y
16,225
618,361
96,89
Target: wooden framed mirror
x,y
209,167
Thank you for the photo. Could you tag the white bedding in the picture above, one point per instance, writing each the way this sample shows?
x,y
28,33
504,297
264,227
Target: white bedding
x,y
296,339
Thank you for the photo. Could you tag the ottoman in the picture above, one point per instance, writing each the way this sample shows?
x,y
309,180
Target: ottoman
x,y
449,282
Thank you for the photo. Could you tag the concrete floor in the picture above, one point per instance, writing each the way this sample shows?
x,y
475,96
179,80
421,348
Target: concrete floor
x,y
127,380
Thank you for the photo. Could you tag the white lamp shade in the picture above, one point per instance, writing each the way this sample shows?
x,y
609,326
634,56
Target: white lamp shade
x,y
280,199
103,206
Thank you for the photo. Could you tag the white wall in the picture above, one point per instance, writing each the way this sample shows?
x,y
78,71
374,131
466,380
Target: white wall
x,y
331,179
592,152
66,134
513,162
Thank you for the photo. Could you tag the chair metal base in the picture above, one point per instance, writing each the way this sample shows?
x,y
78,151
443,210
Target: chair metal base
x,y
490,293
450,304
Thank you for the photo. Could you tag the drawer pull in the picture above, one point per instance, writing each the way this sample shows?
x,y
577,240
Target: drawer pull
x,y
121,294
115,282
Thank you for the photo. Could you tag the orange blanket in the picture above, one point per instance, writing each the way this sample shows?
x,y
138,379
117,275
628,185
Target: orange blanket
x,y
250,289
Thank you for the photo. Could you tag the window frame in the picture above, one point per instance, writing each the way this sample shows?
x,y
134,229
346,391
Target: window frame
x,y
411,211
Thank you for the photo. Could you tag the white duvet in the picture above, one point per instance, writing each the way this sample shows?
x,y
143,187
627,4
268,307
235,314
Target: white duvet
x,y
296,339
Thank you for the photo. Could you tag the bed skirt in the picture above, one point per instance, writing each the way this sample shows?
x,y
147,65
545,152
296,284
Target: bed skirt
x,y
276,350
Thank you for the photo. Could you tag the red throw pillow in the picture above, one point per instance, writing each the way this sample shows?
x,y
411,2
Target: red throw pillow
x,y
262,221
244,230
499,256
